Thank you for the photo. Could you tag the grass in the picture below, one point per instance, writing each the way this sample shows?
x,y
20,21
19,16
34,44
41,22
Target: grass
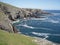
x,y
14,39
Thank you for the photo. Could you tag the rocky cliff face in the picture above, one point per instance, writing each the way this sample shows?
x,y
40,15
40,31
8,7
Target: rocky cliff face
x,y
10,13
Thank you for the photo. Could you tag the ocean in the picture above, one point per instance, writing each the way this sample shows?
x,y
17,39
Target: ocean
x,y
47,27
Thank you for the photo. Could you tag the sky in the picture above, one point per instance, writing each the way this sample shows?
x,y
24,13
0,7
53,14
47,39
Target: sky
x,y
37,4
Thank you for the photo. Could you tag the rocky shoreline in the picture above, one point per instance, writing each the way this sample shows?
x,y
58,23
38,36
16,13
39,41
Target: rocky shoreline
x,y
41,41
10,14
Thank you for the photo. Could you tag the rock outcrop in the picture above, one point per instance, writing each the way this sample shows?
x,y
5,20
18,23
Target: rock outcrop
x,y
10,13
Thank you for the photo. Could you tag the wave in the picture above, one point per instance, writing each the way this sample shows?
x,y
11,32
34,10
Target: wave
x,y
31,27
53,21
15,21
41,34
56,13
44,34
28,26
44,28
38,18
25,25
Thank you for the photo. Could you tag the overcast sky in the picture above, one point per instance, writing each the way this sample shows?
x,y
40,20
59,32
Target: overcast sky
x,y
40,4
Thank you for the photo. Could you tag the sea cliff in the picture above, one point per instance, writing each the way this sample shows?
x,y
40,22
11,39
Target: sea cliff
x,y
9,14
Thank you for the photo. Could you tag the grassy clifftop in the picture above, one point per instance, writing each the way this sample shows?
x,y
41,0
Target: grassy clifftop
x,y
14,39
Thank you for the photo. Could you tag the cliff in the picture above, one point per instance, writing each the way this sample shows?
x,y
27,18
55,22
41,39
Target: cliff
x,y
9,13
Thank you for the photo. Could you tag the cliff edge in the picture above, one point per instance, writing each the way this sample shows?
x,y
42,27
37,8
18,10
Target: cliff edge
x,y
9,13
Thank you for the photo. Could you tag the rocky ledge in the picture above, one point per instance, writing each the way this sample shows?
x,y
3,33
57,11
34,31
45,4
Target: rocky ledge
x,y
9,13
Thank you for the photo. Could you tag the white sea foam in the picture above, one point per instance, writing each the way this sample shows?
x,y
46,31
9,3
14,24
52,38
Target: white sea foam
x,y
54,21
15,21
56,14
38,18
44,28
28,26
19,25
44,34
40,34
25,25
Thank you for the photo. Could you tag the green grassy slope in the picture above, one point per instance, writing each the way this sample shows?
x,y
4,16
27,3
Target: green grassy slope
x,y
14,39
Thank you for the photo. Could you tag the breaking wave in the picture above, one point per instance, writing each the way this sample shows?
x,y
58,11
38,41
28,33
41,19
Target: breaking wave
x,y
28,26
44,34
25,25
31,27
